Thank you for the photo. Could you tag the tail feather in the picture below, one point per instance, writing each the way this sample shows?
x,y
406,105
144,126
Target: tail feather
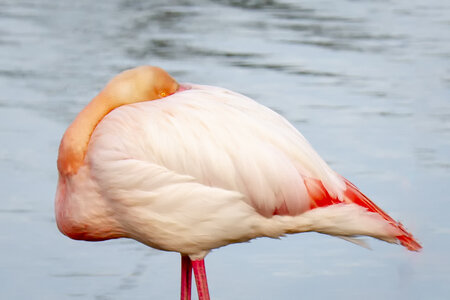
x,y
354,195
321,198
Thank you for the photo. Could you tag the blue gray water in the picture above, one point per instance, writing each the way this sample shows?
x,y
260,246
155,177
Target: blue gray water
x,y
367,82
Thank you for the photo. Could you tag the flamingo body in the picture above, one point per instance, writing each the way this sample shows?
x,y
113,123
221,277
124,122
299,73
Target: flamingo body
x,y
204,168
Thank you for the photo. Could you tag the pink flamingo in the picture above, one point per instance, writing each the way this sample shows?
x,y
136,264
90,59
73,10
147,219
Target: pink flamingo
x,y
191,168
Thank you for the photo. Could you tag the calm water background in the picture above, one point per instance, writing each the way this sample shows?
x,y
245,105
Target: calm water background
x,y
367,82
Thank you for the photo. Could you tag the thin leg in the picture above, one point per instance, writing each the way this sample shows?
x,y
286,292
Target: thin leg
x,y
200,279
186,277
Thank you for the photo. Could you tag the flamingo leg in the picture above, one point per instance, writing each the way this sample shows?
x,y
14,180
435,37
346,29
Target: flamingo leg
x,y
186,277
200,279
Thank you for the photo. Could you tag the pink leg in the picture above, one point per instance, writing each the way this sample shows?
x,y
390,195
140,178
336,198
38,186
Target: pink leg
x,y
186,277
200,279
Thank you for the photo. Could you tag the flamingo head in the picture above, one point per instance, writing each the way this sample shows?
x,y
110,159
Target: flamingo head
x,y
139,84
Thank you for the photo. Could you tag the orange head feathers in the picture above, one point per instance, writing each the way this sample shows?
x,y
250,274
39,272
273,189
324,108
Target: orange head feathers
x,y
139,84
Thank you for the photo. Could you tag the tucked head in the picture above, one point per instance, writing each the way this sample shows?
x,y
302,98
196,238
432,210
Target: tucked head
x,y
136,85
139,84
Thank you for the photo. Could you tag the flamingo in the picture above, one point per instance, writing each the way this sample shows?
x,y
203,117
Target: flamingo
x,y
190,168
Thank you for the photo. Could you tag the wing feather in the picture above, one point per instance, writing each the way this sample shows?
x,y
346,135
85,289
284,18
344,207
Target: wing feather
x,y
220,139
218,155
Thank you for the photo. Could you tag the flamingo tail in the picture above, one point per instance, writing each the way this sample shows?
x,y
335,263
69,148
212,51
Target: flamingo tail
x,y
321,198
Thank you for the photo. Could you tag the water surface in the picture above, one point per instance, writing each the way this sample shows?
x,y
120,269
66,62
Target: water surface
x,y
367,82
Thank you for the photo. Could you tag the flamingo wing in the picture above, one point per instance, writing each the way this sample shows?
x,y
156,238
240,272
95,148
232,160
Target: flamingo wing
x,y
220,139
210,149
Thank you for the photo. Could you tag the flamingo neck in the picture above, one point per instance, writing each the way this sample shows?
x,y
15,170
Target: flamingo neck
x,y
74,143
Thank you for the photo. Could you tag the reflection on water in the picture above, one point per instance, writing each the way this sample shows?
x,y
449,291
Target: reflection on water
x,y
368,83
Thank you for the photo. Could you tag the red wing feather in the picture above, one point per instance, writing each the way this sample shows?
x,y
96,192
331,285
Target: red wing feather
x,y
320,198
